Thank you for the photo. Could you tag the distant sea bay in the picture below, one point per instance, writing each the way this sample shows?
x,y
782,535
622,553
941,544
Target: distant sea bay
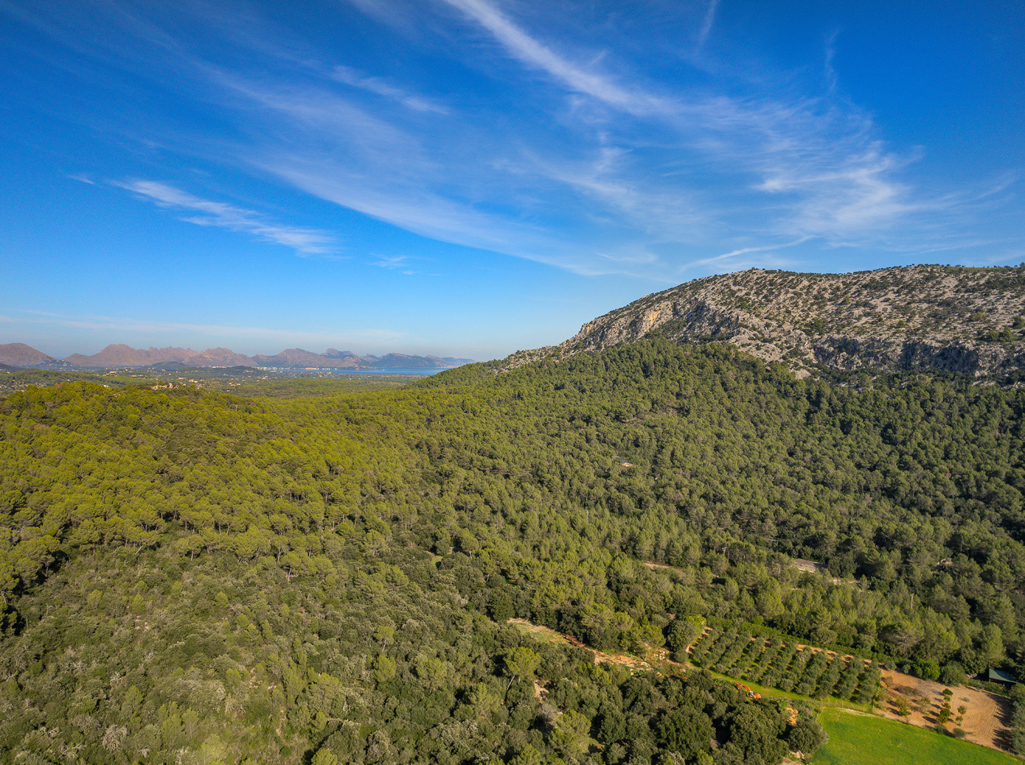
x,y
388,371
292,370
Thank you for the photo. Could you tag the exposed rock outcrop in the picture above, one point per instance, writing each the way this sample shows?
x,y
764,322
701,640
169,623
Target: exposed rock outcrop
x,y
965,320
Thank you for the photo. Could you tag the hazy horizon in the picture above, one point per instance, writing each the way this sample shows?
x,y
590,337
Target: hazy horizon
x,y
266,353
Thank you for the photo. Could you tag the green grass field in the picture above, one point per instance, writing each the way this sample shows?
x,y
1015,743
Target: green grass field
x,y
861,740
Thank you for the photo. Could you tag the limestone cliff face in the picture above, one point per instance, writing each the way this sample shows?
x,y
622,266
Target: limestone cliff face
x,y
967,320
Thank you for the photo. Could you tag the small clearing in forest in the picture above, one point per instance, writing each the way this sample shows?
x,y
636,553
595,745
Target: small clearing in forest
x,y
634,664
983,720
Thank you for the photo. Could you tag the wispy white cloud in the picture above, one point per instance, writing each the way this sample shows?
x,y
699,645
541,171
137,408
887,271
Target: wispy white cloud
x,y
381,87
306,241
828,71
400,264
706,27
748,250
320,122
843,197
430,214
391,262
827,173
524,47
746,257
611,168
612,185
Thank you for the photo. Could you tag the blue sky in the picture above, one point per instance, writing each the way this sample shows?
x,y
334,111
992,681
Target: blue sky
x,y
473,177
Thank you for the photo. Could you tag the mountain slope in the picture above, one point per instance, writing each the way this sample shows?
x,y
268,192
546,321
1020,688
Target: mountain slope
x,y
967,320
23,356
332,359
120,355
297,357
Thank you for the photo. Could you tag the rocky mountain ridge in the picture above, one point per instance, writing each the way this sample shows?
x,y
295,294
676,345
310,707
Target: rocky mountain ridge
x,y
26,357
120,355
956,319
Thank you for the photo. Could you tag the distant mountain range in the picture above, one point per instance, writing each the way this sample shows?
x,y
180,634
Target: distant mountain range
x,y
118,356
941,318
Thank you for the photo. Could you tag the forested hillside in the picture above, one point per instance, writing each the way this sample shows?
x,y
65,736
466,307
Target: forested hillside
x,y
187,576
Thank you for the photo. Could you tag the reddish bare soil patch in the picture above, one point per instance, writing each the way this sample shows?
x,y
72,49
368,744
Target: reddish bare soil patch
x,y
543,633
983,721
540,692
809,566
846,656
664,567
630,662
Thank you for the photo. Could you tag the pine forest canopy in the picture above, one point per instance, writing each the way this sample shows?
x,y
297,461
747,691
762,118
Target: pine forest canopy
x,y
191,576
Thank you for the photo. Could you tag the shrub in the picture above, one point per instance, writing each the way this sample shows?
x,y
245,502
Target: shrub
x,y
869,684
733,653
813,671
780,666
679,634
829,678
751,660
759,669
848,679
724,644
795,671
701,649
